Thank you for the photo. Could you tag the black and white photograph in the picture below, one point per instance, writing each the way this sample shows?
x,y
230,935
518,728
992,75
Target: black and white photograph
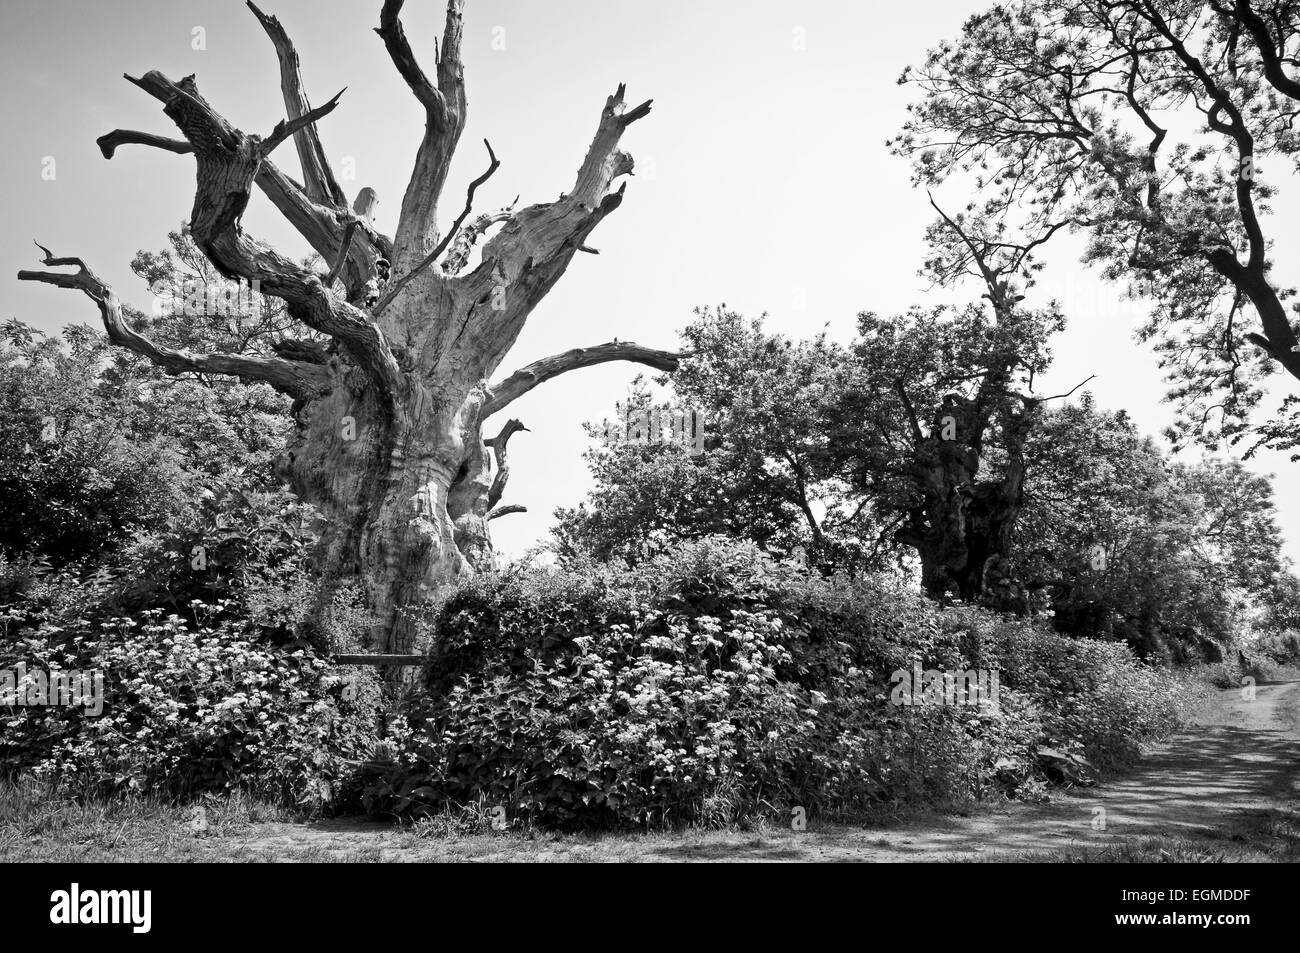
x,y
650,431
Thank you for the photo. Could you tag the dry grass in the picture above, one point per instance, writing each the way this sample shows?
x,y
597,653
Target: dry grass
x,y
1266,836
36,827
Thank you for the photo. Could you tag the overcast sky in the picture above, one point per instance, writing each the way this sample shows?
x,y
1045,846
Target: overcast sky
x,y
763,180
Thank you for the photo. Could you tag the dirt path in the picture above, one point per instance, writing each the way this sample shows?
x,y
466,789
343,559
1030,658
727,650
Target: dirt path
x,y
1234,764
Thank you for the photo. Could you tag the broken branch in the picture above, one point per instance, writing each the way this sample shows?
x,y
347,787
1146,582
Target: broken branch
x,y
526,378
109,142
498,445
288,127
228,161
321,186
430,258
291,377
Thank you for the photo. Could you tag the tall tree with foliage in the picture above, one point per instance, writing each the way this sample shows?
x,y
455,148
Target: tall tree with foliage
x,y
1120,541
1065,508
763,476
655,491
1159,128
931,423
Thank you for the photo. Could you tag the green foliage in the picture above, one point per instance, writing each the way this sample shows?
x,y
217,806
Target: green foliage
x,y
1088,694
711,683
1147,126
211,680
927,430
1281,611
97,446
650,497
1279,648
145,535
1187,548
74,480
1192,551
765,399
188,708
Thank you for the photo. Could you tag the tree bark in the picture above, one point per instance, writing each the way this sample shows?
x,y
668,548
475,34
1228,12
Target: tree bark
x,y
388,441
962,529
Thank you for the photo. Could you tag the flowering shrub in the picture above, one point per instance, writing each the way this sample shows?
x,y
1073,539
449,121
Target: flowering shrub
x,y
626,725
1090,694
189,708
144,534
713,683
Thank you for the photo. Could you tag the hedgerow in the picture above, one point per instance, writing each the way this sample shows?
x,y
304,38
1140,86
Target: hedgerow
x,y
712,683
188,709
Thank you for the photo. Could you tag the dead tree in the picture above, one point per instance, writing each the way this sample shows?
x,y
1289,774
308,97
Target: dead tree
x,y
388,443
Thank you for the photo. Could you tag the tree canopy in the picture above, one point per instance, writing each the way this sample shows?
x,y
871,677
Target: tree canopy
x,y
1160,129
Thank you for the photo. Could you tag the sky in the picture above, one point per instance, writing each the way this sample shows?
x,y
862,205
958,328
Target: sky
x,y
763,181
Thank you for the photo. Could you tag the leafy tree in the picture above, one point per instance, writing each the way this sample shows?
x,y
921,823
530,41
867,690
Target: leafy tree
x,y
762,476
821,448
1149,125
1281,611
650,497
929,433
101,443
931,420
1101,528
766,398
1123,542
78,470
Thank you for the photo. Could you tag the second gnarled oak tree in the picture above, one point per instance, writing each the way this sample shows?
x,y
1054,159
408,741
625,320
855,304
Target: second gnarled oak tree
x,y
390,414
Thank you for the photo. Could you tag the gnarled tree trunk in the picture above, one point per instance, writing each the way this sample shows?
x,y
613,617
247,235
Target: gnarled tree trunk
x,y
962,523
963,527
388,443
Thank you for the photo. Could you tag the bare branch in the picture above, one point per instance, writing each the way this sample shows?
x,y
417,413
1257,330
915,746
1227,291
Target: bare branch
x,y
529,254
467,237
445,106
323,227
321,186
526,378
228,160
296,378
343,253
498,445
1263,344
399,49
1068,392
319,225
288,127
311,352
604,162
507,510
109,142
429,259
